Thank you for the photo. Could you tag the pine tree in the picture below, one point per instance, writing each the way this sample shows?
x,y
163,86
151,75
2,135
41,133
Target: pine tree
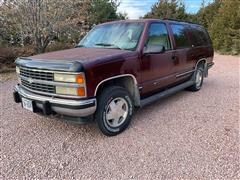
x,y
225,29
173,9
207,12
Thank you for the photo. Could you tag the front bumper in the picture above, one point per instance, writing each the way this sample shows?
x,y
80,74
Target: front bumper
x,y
51,105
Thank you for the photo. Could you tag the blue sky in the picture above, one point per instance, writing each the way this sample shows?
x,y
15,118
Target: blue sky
x,y
137,8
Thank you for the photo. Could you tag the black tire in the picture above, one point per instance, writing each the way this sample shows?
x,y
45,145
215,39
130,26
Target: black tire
x,y
198,83
113,94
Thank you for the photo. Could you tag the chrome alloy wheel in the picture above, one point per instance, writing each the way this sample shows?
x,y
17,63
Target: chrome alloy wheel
x,y
199,77
117,112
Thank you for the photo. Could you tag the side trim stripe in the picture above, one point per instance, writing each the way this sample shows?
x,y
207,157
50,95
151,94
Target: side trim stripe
x,y
185,73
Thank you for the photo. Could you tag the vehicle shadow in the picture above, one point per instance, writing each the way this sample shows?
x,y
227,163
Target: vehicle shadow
x,y
159,104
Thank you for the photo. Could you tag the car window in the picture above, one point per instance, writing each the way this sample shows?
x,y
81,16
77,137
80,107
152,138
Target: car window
x,y
199,37
158,35
179,33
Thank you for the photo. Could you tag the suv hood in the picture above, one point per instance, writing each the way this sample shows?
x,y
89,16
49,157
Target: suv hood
x,y
83,55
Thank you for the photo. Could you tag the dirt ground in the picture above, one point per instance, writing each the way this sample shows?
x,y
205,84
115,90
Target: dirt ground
x,y
188,135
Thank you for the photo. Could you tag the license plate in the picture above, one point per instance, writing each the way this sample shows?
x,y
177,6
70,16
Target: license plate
x,y
27,104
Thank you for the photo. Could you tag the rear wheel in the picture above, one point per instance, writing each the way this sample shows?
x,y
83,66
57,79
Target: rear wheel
x,y
199,75
114,110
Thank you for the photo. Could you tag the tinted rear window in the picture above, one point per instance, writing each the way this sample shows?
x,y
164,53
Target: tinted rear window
x,y
199,37
180,36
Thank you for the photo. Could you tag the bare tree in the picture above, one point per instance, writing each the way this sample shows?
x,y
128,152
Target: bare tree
x,y
44,20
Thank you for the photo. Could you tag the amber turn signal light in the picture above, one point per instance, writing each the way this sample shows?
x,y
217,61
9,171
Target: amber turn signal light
x,y
81,91
80,79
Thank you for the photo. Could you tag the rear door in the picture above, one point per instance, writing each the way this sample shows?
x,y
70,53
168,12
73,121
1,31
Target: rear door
x,y
182,47
158,69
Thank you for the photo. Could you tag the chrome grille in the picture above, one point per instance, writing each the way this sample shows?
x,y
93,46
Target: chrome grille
x,y
27,74
38,87
34,74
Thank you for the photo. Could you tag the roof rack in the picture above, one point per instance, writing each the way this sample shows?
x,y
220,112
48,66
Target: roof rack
x,y
171,19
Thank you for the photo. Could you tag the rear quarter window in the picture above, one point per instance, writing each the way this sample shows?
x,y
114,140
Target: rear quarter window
x,y
199,37
180,35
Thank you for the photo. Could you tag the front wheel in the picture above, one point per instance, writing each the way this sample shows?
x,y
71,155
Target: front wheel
x,y
114,110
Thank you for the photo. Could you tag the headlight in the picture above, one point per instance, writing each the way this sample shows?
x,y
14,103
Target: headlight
x,y
70,91
17,70
71,78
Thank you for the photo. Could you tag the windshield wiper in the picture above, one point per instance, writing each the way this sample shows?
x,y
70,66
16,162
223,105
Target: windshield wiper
x,y
108,45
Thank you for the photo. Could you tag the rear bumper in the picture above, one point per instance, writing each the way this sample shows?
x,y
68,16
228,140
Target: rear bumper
x,y
51,105
209,65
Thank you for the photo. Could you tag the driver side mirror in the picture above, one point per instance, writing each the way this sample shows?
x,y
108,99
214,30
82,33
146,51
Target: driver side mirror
x,y
153,49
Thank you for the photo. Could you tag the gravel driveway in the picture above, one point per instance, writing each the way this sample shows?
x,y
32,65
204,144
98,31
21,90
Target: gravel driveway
x,y
188,135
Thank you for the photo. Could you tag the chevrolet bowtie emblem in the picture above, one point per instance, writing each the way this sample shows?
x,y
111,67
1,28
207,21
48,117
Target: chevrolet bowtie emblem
x,y
30,80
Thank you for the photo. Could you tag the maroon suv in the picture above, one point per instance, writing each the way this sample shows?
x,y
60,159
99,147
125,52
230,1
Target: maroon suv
x,y
116,68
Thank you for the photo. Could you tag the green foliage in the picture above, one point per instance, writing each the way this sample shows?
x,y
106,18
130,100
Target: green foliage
x,y
206,13
168,9
104,11
222,19
225,28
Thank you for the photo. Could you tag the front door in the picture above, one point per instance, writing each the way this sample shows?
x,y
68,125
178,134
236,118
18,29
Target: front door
x,y
158,70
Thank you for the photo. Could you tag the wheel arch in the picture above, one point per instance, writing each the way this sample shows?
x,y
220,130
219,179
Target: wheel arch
x,y
127,81
204,61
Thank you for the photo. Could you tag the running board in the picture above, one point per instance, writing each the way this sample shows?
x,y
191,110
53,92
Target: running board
x,y
168,92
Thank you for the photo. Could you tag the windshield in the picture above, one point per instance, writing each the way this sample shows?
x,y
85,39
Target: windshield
x,y
116,35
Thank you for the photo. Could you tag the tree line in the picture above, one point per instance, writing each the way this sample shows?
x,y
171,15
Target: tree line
x,y
38,23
